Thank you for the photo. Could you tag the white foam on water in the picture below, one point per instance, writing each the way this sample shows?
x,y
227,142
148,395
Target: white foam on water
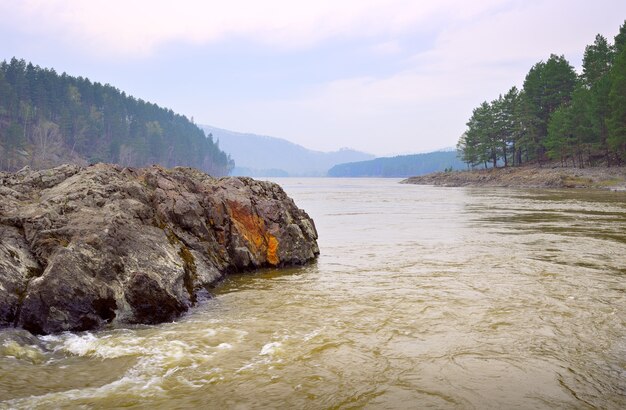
x,y
104,347
11,348
253,364
79,345
312,334
142,387
264,358
270,348
190,384
160,358
270,353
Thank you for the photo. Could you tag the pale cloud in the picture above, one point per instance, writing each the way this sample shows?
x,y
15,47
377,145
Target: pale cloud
x,y
138,28
530,31
427,105
407,112
386,48
469,51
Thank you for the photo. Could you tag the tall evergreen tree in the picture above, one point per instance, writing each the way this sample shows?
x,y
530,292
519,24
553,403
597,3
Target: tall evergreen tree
x,y
569,130
558,142
597,61
617,107
546,87
506,124
620,39
482,135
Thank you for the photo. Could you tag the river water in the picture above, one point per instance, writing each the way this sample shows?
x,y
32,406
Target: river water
x,y
421,297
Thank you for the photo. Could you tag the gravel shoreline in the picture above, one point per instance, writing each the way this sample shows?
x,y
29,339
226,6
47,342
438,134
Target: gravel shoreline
x,y
613,178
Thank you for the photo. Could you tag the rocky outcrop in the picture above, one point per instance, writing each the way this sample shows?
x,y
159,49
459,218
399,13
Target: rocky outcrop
x,y
84,247
613,178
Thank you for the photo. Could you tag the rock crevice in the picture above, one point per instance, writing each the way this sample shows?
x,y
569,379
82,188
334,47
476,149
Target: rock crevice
x,y
81,248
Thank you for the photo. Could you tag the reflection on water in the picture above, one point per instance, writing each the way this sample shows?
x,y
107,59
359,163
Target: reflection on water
x,y
422,296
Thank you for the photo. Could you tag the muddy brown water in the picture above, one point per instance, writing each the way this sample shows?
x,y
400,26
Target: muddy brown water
x,y
422,297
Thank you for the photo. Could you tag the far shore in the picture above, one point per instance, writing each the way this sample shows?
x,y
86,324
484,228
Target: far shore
x,y
533,176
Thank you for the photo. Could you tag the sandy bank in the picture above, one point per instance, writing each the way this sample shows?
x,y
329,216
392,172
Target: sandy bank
x,y
613,178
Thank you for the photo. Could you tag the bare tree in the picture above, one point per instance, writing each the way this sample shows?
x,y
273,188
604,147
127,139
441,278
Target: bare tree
x,y
47,143
127,154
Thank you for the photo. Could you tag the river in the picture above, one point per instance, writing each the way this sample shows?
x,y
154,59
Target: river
x,y
421,297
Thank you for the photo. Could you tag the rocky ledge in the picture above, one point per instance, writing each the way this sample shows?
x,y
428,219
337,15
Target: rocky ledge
x,y
613,178
81,248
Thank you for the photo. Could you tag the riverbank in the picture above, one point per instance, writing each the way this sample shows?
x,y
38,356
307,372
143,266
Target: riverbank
x,y
613,178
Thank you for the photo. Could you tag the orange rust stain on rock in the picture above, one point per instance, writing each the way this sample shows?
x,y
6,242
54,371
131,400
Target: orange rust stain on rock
x,y
272,250
252,228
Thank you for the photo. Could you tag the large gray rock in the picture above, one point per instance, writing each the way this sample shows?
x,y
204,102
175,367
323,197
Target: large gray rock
x,y
84,247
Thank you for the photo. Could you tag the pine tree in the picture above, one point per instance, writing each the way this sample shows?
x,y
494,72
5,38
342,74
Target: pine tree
x,y
620,39
617,107
559,134
546,87
597,61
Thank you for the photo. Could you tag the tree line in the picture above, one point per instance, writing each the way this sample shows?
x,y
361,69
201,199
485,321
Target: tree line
x,y
400,166
558,115
47,119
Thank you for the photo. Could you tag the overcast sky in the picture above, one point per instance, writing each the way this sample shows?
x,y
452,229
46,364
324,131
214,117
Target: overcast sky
x,y
382,76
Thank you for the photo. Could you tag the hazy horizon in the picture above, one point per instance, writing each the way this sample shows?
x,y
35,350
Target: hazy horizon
x,y
382,77
207,128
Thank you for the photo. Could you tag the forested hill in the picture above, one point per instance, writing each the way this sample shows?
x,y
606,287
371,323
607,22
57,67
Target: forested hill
x,y
400,166
48,118
558,115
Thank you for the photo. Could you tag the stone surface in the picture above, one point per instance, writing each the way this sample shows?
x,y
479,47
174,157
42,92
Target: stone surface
x,y
81,248
531,176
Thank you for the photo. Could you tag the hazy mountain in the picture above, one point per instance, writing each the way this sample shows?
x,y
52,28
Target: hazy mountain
x,y
400,166
257,155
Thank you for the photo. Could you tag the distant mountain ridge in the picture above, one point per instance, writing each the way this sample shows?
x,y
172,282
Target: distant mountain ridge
x,y
258,155
400,166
